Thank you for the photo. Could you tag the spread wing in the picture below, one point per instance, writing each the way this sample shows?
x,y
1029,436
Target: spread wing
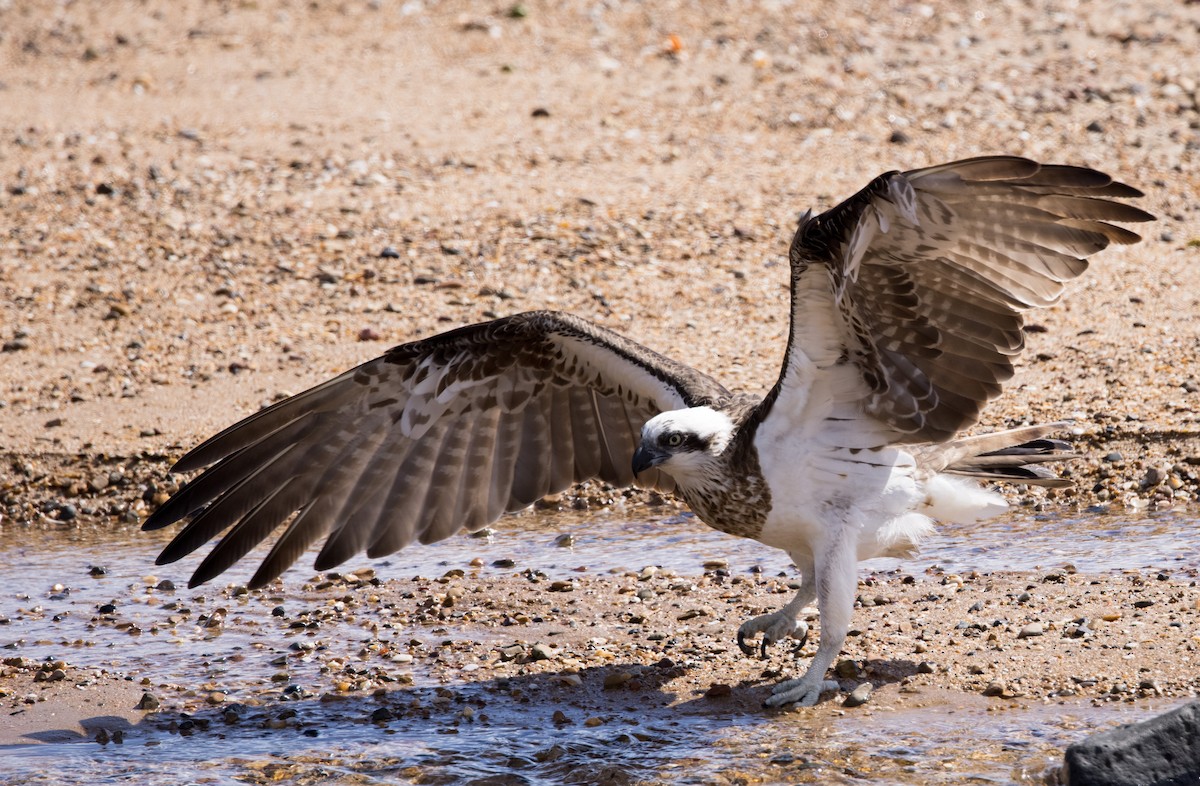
x,y
930,271
435,436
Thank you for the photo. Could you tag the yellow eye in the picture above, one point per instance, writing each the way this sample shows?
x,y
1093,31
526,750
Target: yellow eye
x,y
674,439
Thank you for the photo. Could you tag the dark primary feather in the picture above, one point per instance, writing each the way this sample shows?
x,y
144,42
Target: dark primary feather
x,y
435,436
933,268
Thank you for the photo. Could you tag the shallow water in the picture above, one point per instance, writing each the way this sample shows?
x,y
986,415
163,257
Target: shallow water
x,y
509,743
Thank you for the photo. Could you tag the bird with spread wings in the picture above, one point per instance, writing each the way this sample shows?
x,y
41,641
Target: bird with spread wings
x,y
906,315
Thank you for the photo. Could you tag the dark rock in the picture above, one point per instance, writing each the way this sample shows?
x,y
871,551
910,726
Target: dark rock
x,y
899,138
149,702
1162,751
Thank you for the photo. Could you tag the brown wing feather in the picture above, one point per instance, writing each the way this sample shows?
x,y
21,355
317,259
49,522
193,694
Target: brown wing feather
x,y
434,436
932,269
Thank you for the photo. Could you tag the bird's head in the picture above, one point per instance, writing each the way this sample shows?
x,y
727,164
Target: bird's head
x,y
684,443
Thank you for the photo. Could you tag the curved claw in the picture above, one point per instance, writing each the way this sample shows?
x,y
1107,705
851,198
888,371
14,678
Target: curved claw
x,y
746,649
749,650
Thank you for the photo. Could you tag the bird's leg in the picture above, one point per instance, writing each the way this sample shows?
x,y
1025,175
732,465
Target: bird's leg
x,y
836,579
778,625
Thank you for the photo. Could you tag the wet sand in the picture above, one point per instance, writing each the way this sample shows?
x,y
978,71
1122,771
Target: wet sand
x,y
621,652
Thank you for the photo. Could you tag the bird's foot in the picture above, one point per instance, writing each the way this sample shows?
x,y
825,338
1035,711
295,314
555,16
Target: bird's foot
x,y
774,628
804,691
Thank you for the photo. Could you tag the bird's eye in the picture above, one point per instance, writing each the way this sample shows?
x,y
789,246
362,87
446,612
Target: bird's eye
x,y
674,439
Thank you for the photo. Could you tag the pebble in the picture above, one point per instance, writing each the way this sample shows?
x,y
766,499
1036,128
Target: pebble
x,y
859,696
846,669
1032,629
616,679
540,652
718,690
148,702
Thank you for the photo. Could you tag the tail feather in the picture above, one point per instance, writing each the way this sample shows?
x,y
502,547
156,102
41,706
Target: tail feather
x,y
1011,456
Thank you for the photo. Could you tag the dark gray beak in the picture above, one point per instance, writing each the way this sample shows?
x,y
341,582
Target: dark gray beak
x,y
645,458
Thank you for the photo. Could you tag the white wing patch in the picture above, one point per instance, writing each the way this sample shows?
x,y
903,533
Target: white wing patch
x,y
902,195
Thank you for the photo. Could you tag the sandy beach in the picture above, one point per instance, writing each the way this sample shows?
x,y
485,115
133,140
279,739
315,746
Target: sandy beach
x,y
209,206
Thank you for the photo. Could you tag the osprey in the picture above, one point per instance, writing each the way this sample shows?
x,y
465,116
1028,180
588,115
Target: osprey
x,y
906,314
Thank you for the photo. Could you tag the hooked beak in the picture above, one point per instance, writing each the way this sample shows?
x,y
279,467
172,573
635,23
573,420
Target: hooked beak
x,y
644,458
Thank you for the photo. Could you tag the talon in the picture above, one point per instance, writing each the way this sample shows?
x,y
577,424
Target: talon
x,y
746,649
762,651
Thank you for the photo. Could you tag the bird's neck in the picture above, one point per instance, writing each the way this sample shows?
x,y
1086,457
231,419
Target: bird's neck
x,y
729,495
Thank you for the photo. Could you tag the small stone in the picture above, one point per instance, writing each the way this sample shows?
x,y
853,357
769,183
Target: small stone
x,y
616,679
898,137
718,690
562,586
1031,630
97,570
1095,127
1114,457
16,345
859,696
540,111
216,697
593,722
382,715
368,334
149,702
925,667
560,718
1153,477
1143,604
540,652
389,252
846,669
995,688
